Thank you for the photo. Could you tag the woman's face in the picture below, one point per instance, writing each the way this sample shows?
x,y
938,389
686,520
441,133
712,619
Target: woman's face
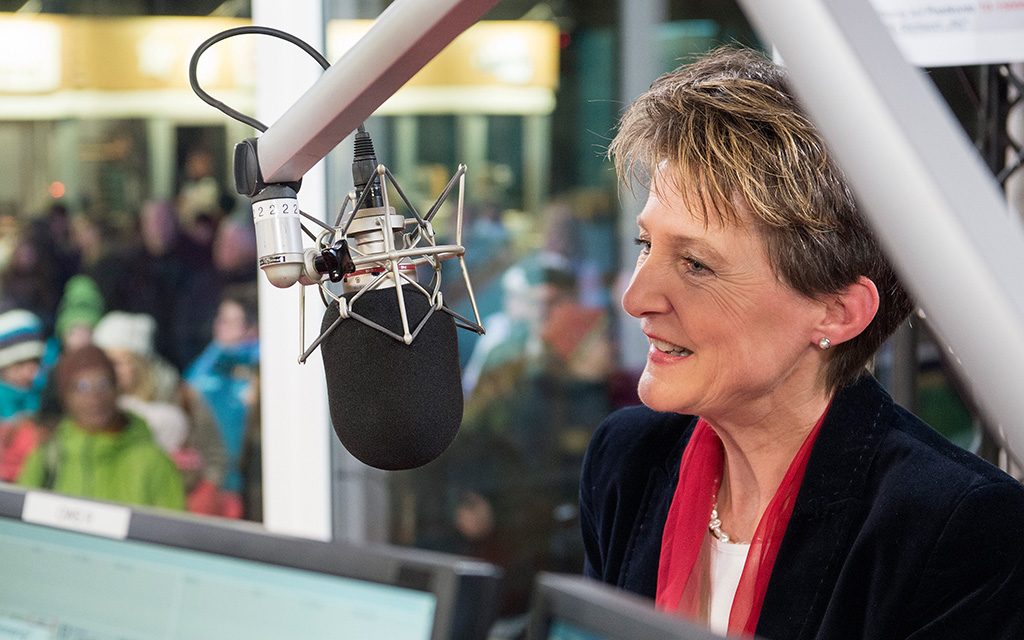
x,y
727,340
77,336
229,326
126,366
91,400
20,374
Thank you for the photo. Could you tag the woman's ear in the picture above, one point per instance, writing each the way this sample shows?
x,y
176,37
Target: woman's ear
x,y
850,311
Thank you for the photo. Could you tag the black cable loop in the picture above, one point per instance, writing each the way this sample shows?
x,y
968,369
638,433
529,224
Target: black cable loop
x,y
223,35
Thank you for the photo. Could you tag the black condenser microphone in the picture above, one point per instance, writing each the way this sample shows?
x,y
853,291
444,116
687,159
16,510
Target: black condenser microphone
x,y
389,341
393,405
389,345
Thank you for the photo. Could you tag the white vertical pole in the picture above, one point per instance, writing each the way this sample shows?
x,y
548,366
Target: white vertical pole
x,y
296,423
536,162
161,144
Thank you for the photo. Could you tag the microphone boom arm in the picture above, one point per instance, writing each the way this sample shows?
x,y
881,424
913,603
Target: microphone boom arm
x,y
406,35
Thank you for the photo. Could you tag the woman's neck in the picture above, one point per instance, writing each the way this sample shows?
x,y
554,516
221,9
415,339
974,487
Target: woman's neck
x,y
757,456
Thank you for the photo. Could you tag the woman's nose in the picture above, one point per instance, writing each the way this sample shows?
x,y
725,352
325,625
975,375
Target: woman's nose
x,y
645,293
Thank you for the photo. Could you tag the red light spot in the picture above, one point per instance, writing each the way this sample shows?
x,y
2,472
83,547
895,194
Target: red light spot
x,y
57,189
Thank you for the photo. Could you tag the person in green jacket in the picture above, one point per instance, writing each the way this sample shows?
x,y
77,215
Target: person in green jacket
x,y
97,450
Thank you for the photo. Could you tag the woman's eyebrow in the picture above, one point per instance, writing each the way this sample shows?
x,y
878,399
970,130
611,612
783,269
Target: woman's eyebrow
x,y
685,243
700,246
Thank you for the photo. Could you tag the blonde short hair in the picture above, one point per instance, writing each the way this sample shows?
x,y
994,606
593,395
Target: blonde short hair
x,y
731,132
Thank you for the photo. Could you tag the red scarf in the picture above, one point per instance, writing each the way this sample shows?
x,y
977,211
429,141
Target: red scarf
x,y
683,581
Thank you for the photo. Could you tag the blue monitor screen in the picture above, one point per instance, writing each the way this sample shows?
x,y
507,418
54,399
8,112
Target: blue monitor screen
x,y
60,584
562,630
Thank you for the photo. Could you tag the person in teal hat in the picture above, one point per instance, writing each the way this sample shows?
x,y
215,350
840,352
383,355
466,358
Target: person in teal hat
x,y
21,348
21,384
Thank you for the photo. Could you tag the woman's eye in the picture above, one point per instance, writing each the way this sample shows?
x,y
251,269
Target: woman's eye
x,y
644,244
697,267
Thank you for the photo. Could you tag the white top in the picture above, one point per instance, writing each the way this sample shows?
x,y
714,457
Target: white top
x,y
727,560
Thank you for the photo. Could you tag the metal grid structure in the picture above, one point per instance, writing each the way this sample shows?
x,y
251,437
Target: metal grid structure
x,y
996,93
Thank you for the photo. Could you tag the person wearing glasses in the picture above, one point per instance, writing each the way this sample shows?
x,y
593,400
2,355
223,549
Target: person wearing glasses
x,y
98,450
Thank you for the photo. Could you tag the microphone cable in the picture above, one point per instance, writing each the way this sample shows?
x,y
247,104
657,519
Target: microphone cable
x,y
193,80
193,66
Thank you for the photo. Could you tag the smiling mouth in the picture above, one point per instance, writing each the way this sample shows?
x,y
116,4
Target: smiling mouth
x,y
669,348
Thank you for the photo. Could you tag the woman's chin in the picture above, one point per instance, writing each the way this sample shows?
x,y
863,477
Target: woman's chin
x,y
655,395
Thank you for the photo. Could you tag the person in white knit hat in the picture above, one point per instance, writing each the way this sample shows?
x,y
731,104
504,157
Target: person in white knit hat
x,y
150,387
147,385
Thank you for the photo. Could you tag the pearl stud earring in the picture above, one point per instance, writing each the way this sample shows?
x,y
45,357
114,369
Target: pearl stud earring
x,y
824,343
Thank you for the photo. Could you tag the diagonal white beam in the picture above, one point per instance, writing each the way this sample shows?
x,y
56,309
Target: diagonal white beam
x,y
939,213
401,41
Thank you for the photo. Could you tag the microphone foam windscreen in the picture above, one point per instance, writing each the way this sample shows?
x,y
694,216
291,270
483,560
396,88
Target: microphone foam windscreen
x,y
394,406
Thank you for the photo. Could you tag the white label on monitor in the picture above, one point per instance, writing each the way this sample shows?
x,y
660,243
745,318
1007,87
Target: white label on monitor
x,y
97,519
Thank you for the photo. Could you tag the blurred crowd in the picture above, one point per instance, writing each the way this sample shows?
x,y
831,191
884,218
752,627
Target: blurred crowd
x,y
536,385
129,356
129,371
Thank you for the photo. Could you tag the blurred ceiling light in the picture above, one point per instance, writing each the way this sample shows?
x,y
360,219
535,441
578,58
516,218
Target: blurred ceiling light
x,y
36,73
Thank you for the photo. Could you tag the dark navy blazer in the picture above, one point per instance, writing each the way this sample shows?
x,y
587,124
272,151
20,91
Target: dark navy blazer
x,y
896,532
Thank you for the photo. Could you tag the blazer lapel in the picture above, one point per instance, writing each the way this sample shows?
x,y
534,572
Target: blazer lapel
x,y
822,526
640,573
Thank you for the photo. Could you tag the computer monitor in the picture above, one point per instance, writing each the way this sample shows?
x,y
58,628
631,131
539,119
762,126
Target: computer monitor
x,y
575,608
73,568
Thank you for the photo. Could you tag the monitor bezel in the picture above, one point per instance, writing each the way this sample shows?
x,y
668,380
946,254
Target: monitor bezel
x,y
466,590
604,610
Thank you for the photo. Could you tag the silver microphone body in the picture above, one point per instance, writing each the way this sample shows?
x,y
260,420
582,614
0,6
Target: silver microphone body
x,y
275,213
366,236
